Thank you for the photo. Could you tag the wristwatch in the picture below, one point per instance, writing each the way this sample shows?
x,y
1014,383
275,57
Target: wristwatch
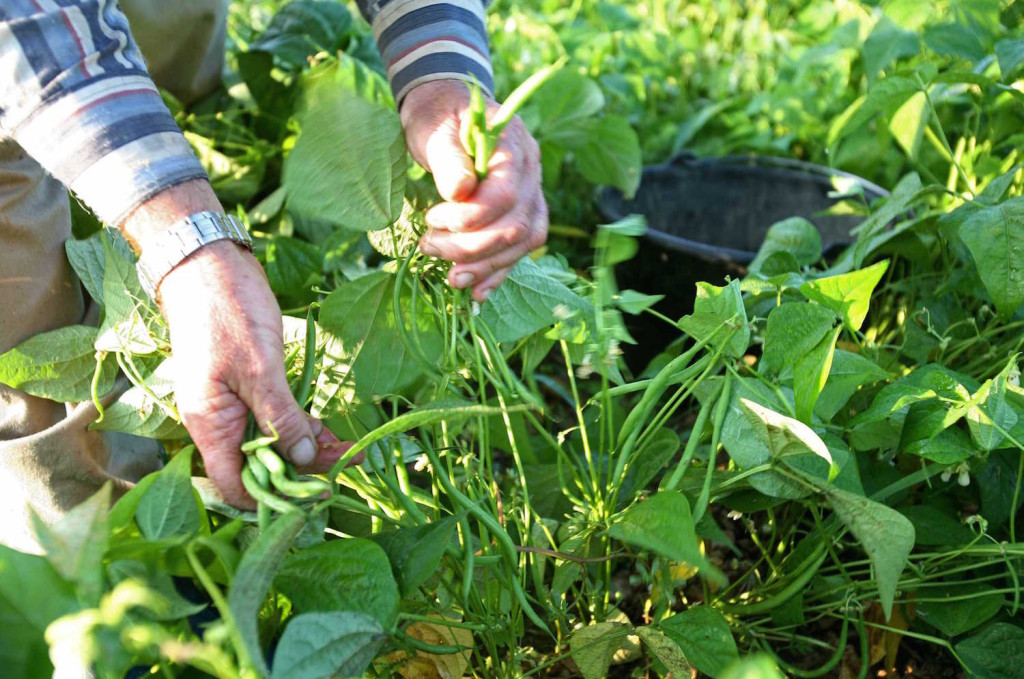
x,y
165,251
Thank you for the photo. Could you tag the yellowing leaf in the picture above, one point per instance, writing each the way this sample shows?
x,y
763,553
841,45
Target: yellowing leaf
x,y
427,666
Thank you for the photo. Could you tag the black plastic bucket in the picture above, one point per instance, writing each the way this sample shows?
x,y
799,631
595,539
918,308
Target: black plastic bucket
x,y
707,218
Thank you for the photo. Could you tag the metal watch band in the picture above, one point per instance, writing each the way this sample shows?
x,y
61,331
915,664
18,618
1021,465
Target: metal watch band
x,y
165,251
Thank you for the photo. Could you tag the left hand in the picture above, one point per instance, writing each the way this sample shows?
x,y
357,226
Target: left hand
x,y
484,227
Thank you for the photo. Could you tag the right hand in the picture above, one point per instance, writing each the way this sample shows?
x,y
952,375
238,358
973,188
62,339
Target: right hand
x,y
227,341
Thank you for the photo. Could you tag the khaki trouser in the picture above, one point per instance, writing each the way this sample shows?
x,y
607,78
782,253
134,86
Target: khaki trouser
x,y
49,461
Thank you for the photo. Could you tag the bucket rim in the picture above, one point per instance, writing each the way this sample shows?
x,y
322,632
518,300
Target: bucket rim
x,y
718,253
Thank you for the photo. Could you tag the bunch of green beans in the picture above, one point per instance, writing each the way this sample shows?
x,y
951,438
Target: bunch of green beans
x,y
267,477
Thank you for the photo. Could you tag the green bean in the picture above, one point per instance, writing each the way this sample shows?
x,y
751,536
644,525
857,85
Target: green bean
x,y
262,477
504,541
785,594
263,495
261,442
279,477
305,385
829,665
467,575
721,408
412,343
691,447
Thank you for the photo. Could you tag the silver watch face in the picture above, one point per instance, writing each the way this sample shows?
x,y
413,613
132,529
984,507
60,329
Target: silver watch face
x,y
163,252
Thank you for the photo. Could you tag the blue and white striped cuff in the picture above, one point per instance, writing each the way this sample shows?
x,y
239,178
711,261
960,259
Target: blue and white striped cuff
x,y
425,40
113,142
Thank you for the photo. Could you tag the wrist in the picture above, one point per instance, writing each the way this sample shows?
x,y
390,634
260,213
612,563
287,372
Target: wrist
x,y
167,208
211,267
447,92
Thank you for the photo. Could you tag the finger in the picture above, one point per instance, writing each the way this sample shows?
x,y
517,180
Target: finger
x,y
494,197
217,426
452,168
474,246
482,273
327,454
482,291
275,410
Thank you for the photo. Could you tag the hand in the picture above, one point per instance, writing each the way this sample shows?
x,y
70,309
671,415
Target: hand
x,y
226,338
483,227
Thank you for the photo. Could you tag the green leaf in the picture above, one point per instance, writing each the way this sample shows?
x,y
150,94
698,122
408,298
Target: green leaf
x,y
302,28
935,524
717,312
792,331
662,524
253,578
122,514
954,40
87,259
886,535
667,651
887,43
924,384
415,552
649,461
32,595
909,122
341,575
528,301
348,164
594,646
996,652
703,634
607,152
58,365
75,545
367,340
810,373
633,302
848,295
796,237
741,441
968,606
170,508
995,238
875,229
337,644
848,374
564,100
991,416
784,436
161,583
137,412
293,267
125,325
885,96
1010,53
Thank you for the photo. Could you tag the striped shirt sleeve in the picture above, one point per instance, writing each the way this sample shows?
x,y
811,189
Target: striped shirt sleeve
x,y
425,40
75,94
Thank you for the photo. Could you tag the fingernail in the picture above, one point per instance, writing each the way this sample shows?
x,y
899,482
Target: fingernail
x,y
484,294
464,279
303,452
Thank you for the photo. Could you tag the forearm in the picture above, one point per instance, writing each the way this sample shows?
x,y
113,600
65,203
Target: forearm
x,y
76,96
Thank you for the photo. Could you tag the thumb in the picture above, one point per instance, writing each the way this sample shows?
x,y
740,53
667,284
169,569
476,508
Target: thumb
x,y
275,407
448,161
